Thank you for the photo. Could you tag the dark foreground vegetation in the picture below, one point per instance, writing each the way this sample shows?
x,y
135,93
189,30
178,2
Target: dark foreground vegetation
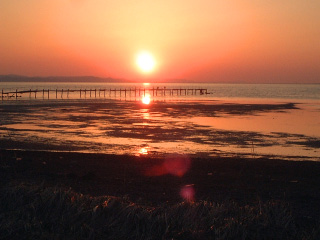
x,y
86,196
50,213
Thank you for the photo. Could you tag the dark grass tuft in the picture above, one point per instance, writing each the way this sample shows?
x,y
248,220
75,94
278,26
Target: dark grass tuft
x,y
36,212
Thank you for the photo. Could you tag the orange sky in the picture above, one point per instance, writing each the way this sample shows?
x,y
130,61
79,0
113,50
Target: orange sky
x,y
201,40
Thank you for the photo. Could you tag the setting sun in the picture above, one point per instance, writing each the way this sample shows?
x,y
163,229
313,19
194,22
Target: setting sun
x,y
145,62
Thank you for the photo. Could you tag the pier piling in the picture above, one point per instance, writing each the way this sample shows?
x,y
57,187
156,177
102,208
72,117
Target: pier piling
x,y
155,92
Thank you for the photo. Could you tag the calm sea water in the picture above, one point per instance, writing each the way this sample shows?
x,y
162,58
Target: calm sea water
x,y
263,91
280,120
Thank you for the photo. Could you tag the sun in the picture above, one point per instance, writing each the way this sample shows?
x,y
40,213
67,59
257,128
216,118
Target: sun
x,y
145,62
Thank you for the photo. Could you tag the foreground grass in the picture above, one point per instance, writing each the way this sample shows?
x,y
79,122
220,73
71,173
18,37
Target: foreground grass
x,y
36,212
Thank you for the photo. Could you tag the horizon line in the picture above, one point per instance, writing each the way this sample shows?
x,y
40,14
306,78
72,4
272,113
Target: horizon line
x,y
77,78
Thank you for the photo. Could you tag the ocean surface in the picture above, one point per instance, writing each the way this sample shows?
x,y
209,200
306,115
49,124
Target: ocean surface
x,y
273,120
254,91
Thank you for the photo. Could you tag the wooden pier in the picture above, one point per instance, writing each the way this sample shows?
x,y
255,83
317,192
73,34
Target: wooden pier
x,y
94,93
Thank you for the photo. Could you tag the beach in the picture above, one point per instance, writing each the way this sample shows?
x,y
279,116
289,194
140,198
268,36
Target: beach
x,y
221,168
149,120
196,128
245,182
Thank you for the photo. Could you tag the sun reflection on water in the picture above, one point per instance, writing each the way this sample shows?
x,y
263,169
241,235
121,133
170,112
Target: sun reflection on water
x,y
144,151
146,99
145,114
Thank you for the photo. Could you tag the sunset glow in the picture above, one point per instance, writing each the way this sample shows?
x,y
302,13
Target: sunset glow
x,y
207,41
160,119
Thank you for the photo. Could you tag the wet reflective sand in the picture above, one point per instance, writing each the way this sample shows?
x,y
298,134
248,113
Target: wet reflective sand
x,y
156,128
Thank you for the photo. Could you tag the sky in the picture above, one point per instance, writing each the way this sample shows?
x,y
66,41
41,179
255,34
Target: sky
x,y
263,41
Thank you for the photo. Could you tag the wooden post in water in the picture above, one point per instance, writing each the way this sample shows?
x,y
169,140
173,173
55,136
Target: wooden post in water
x,y
159,91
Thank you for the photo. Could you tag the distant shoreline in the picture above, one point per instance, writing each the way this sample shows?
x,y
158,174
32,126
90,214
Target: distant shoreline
x,y
18,78
93,79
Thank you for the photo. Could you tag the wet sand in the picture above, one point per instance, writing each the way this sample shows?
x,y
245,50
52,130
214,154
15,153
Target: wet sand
x,y
243,180
205,128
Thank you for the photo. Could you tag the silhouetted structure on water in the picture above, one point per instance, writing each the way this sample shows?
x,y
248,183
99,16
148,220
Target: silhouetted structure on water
x,y
90,93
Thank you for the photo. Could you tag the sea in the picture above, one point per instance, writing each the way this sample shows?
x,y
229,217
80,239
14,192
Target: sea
x,y
216,90
157,119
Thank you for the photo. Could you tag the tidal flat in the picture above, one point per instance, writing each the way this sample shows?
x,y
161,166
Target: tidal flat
x,y
200,128
109,169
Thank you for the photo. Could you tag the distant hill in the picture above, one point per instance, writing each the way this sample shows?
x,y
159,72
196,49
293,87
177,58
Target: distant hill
x,y
21,78
18,78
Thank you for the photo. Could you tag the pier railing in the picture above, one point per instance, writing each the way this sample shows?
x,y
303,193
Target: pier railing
x,y
94,93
